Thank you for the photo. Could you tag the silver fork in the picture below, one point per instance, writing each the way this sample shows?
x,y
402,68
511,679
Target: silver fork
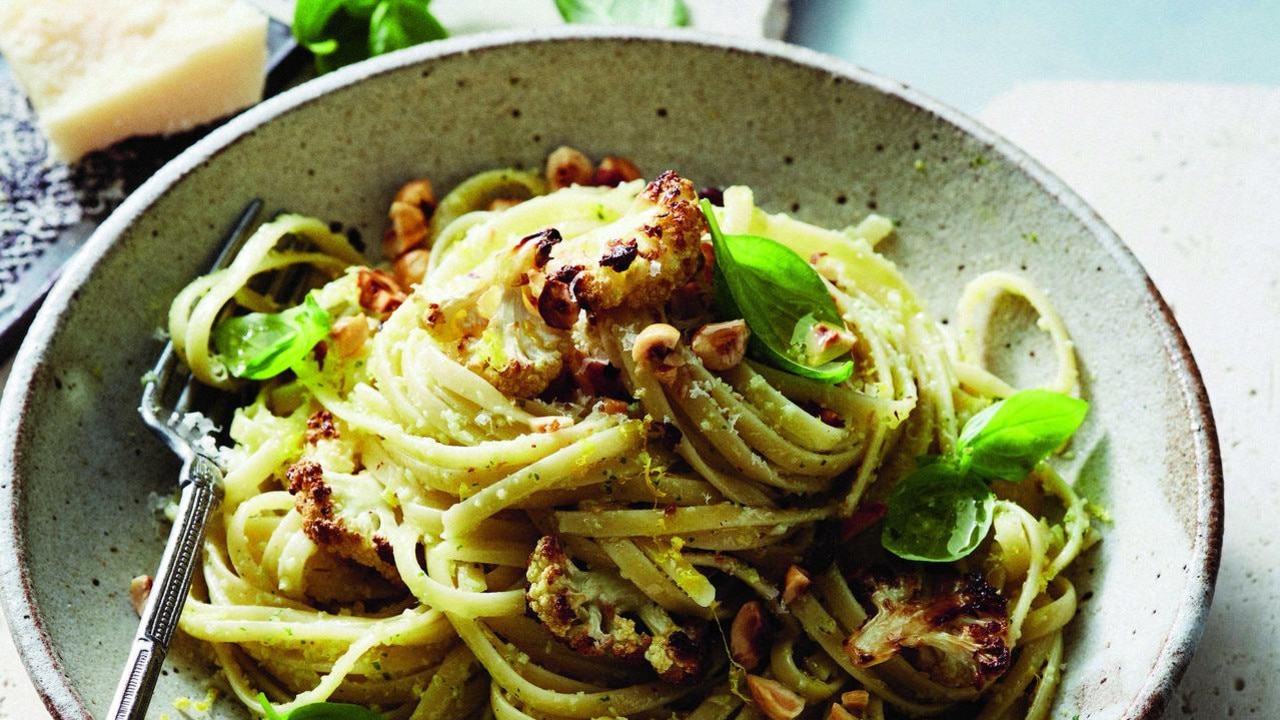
x,y
167,407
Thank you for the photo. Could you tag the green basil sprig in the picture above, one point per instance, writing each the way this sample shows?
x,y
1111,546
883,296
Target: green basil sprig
x,y
776,292
938,514
340,32
652,13
942,511
319,711
259,346
1008,439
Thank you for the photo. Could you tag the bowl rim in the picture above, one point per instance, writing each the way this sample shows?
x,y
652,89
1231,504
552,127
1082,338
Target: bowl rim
x,y
26,624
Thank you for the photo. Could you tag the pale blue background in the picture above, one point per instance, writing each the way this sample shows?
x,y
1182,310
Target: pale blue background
x,y
965,52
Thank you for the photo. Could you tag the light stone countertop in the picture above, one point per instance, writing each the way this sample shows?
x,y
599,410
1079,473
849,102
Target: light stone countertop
x,y
1187,175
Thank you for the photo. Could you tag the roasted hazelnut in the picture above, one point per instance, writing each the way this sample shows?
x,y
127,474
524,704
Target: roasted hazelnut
x,y
595,376
749,636
655,352
410,210
838,712
417,192
139,591
855,701
825,342
722,345
795,585
349,335
615,170
612,406
567,166
557,305
380,294
775,700
411,267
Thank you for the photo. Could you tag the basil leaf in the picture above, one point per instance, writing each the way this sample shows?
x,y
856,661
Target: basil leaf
x,y
333,711
771,287
259,346
939,513
651,13
311,18
319,711
398,24
341,32
1008,439
349,44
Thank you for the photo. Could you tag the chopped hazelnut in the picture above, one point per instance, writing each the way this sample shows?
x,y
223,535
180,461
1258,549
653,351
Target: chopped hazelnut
x,y
795,585
380,294
567,166
410,210
655,351
722,345
595,376
417,192
349,335
838,712
825,342
139,591
615,170
411,267
855,701
612,406
557,305
775,700
749,636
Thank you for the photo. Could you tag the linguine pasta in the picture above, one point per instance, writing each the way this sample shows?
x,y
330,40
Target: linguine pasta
x,y
474,502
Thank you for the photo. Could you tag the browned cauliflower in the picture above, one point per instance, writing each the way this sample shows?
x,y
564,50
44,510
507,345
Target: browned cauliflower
x,y
337,516
488,319
957,627
509,318
588,610
639,260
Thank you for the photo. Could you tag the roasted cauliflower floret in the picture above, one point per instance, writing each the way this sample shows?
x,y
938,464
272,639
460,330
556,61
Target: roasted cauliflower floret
x,y
589,611
338,515
639,260
957,627
490,320
509,318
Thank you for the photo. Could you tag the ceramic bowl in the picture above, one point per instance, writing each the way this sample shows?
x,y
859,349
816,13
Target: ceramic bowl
x,y
812,135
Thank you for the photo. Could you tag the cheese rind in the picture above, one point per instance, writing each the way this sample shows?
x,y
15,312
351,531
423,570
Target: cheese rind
x,y
98,71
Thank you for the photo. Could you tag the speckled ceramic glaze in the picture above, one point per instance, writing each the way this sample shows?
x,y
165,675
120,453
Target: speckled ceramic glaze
x,y
813,136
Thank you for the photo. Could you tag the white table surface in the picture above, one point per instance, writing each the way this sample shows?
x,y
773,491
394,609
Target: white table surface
x,y
1188,176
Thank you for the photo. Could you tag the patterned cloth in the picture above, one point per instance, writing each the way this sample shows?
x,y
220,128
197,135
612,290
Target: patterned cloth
x,y
40,198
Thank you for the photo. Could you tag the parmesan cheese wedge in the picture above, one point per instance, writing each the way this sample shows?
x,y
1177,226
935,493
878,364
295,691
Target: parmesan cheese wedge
x,y
98,71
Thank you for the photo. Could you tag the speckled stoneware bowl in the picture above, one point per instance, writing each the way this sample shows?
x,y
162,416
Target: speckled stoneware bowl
x,y
814,136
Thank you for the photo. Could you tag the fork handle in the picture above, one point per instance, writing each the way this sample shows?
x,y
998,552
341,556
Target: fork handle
x,y
201,483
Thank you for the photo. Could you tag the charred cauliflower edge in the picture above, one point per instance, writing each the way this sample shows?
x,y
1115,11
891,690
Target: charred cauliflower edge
x,y
590,611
